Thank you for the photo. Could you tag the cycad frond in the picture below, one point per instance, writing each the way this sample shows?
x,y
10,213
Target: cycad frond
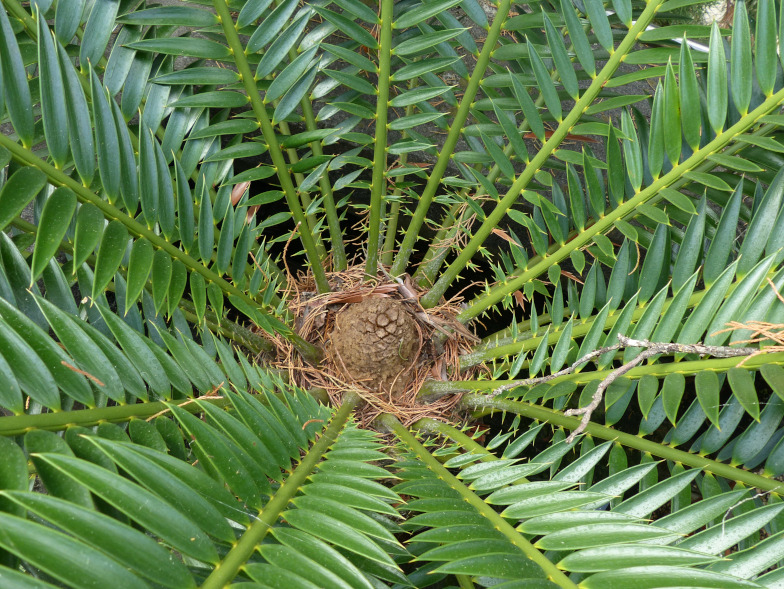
x,y
187,191
208,520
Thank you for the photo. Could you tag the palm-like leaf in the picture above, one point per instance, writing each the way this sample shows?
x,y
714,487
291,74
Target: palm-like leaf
x,y
172,453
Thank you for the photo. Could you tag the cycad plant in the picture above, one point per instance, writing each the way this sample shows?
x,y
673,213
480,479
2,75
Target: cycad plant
x,y
430,293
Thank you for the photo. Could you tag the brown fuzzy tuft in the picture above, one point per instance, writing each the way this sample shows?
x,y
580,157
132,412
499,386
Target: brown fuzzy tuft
x,y
379,342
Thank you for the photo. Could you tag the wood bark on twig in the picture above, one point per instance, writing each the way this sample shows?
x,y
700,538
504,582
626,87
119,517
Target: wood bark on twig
x,y
649,349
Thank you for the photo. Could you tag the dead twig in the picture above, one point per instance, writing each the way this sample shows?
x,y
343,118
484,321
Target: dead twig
x,y
649,349
211,395
408,293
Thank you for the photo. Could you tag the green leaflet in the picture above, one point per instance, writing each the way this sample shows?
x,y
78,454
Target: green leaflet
x,y
161,277
765,46
50,354
183,16
281,46
67,18
149,472
741,70
15,87
562,63
742,384
124,495
138,353
142,382
691,246
97,32
290,74
89,228
761,226
105,138
53,109
141,554
30,372
422,13
578,38
18,191
55,219
139,266
656,263
717,81
631,151
272,25
720,247
417,44
663,573
190,47
546,85
111,251
67,562
88,355
599,23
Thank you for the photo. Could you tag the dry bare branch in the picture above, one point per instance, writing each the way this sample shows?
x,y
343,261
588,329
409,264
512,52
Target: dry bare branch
x,y
649,349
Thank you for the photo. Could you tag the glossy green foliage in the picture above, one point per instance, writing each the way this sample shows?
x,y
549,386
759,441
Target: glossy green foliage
x,y
197,512
587,168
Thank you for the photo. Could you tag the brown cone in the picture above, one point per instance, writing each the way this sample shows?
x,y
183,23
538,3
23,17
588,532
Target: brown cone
x,y
375,341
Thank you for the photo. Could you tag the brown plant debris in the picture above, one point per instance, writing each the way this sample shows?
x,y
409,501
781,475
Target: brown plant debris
x,y
378,342
649,349
761,332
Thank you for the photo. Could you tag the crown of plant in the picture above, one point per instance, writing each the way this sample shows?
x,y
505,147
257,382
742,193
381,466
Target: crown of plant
x,y
425,294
